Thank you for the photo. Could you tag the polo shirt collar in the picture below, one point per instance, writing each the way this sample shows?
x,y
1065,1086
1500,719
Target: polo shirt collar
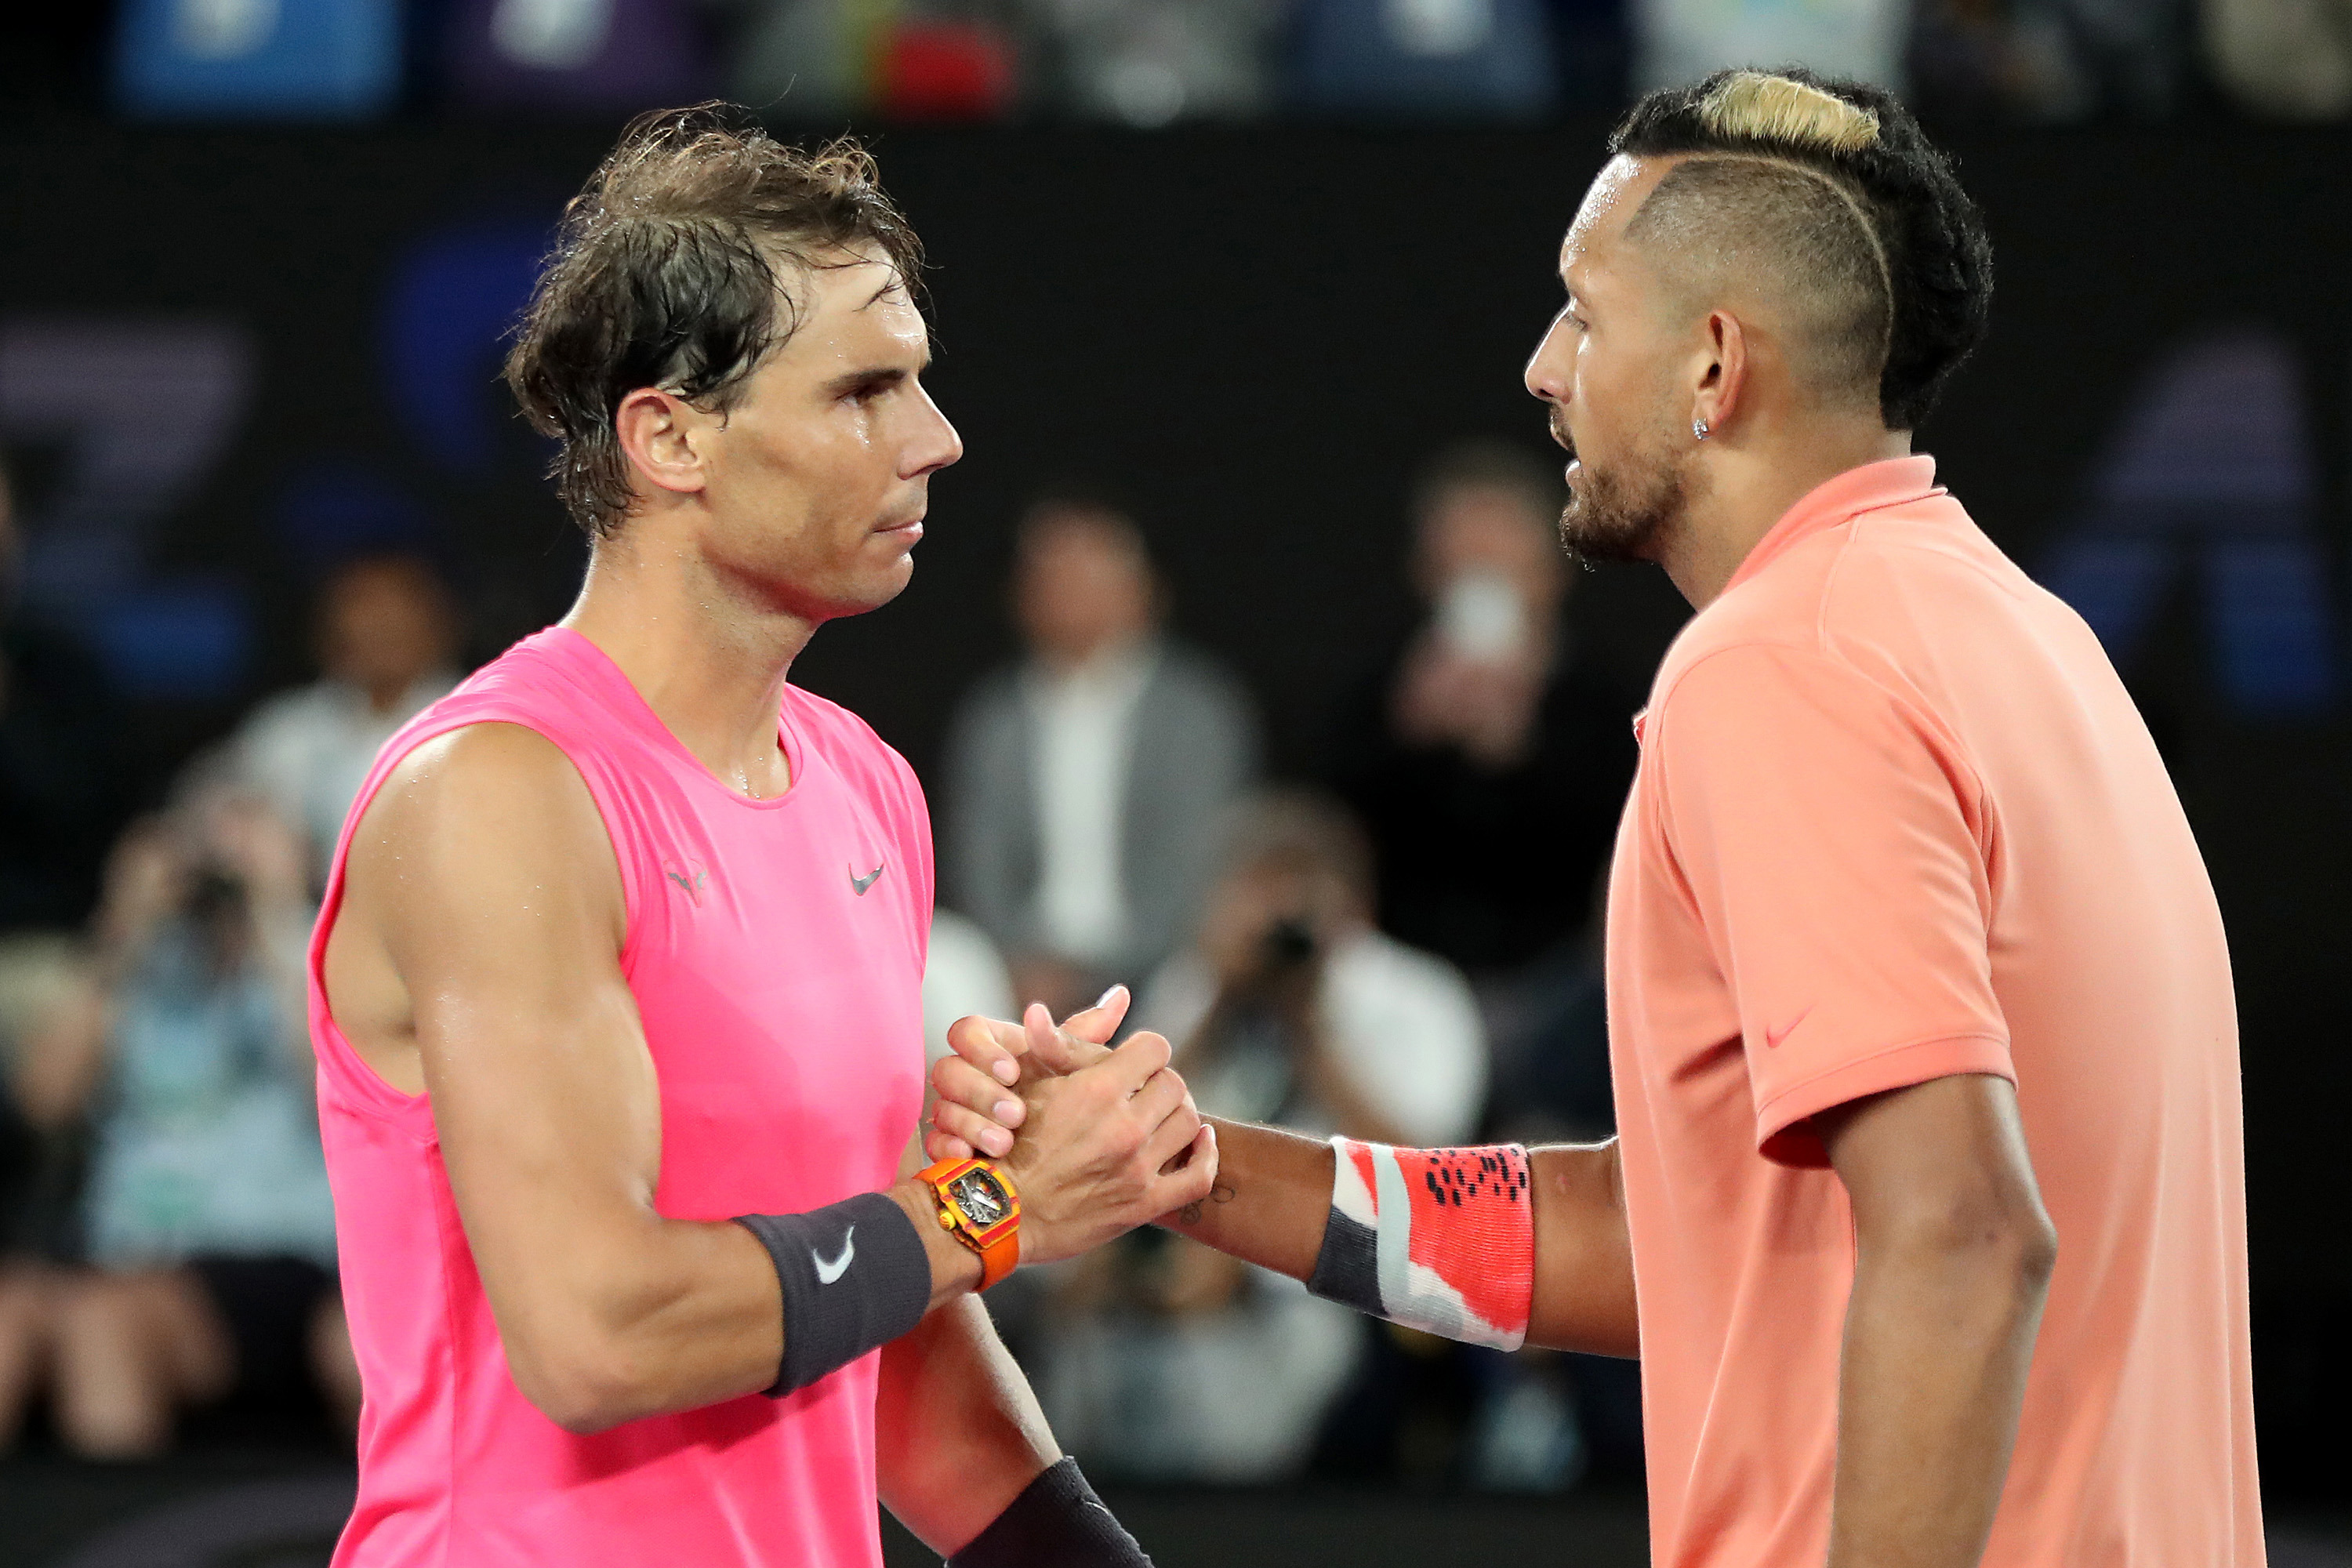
x,y
1892,481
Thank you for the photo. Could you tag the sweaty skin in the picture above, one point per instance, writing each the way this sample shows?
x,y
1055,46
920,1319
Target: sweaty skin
x,y
476,953
1953,1249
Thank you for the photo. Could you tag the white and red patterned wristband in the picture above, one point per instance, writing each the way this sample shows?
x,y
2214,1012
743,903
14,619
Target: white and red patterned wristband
x,y
1437,1239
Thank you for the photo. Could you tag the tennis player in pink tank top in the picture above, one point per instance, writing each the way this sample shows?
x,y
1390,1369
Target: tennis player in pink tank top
x,y
616,992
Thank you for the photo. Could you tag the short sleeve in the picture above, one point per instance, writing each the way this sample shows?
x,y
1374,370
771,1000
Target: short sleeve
x,y
1830,840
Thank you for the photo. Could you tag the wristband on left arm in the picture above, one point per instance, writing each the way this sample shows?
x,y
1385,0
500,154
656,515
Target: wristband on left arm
x,y
1055,1522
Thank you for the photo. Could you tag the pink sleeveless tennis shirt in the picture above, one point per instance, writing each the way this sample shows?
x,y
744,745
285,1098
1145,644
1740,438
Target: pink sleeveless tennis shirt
x,y
775,949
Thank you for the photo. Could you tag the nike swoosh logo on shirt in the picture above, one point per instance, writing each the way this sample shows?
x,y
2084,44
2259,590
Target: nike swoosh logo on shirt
x,y
1772,1037
868,880
826,1273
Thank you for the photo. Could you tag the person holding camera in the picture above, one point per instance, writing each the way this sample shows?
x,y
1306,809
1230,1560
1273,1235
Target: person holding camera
x,y
1288,1006
208,1229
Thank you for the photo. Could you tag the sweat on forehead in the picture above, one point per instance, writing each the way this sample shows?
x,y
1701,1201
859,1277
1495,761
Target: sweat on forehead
x,y
1622,181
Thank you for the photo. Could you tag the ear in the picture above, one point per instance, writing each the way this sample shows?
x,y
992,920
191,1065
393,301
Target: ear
x,y
662,436
1723,373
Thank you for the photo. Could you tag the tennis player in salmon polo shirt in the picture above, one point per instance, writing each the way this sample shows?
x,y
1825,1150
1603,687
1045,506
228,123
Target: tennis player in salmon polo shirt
x,y
617,990
1925,1214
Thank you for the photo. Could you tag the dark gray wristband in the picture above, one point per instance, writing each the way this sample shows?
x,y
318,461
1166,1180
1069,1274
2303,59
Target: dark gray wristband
x,y
854,1277
1055,1522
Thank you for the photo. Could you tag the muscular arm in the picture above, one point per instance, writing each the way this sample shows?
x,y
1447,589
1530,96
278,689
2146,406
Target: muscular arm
x,y
1953,1257
475,957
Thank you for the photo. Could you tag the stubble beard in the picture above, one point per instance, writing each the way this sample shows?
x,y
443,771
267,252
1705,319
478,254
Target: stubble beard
x,y
1625,512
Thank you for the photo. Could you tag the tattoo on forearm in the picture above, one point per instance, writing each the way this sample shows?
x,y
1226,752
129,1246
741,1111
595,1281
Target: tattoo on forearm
x,y
1223,1193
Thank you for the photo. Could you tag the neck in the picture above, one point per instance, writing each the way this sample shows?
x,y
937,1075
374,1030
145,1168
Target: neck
x,y
1068,660
708,658
1743,485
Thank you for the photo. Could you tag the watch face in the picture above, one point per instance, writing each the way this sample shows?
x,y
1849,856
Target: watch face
x,y
981,1196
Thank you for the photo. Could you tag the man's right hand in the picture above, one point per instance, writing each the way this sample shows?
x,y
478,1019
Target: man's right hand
x,y
1109,1144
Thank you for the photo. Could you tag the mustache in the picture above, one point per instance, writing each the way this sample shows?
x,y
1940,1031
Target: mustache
x,y
1560,432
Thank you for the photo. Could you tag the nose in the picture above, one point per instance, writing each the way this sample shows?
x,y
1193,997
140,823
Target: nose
x,y
936,444
1546,374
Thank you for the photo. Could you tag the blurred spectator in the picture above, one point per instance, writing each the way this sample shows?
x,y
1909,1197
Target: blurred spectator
x,y
1084,781
208,1227
37,976
2285,59
60,756
1679,41
387,639
1291,1007
1173,1362
1489,766
1480,59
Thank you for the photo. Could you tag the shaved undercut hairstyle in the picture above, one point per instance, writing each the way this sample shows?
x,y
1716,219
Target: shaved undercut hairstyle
x,y
669,271
1833,186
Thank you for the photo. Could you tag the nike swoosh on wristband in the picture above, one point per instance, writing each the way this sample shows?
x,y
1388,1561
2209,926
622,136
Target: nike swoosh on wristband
x,y
826,1273
1772,1037
868,880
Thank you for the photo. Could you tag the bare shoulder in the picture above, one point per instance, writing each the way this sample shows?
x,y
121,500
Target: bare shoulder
x,y
482,818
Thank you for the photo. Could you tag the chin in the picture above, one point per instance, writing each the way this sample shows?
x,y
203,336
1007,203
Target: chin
x,y
874,590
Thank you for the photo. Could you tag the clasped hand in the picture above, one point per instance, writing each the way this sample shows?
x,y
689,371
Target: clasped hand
x,y
1099,1141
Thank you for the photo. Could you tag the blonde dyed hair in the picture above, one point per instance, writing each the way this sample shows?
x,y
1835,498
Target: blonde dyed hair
x,y
1920,235
1752,105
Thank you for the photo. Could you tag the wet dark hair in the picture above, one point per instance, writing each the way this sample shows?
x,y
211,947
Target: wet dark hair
x,y
668,271
1939,259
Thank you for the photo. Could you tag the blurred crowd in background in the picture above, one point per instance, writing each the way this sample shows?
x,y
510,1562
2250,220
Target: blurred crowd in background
x,y
1153,62
1359,947
1362,951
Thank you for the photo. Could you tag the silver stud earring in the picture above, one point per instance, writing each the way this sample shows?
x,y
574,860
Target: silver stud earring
x,y
1698,428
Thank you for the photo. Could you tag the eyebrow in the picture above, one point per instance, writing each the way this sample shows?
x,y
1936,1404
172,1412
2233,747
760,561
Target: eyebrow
x,y
875,377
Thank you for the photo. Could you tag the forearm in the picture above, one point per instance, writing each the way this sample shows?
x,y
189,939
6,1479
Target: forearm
x,y
1273,1196
1937,1342
1584,1257
1273,1193
671,1315
957,1434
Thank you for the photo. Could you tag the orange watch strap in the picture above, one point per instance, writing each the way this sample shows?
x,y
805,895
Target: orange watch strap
x,y
1000,1258
1000,1252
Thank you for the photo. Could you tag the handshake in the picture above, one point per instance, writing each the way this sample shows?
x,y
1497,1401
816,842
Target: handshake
x,y
1096,1141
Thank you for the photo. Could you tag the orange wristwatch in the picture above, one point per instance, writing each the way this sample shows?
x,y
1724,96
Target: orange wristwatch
x,y
979,1206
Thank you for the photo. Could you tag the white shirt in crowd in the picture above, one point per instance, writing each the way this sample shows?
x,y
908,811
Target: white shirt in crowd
x,y
309,749
965,974
1085,733
1404,1023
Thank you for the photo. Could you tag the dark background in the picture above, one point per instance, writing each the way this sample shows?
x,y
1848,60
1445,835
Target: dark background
x,y
1258,336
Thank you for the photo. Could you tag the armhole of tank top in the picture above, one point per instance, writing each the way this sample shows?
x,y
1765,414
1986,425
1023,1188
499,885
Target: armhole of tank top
x,y
358,1085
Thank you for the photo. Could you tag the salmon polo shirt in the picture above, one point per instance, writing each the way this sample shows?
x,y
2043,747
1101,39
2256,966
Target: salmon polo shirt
x,y
1896,819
